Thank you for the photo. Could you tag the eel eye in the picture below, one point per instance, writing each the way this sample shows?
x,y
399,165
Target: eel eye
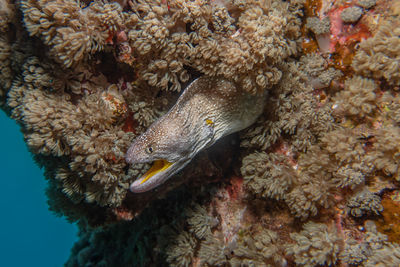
x,y
149,149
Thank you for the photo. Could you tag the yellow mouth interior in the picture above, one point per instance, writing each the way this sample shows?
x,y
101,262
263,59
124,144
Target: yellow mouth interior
x,y
158,166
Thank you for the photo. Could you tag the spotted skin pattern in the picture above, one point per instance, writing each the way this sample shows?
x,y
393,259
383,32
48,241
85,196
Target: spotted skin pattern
x,y
208,109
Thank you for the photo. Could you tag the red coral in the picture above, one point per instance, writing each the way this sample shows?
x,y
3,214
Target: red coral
x,y
130,124
235,189
110,38
344,38
123,213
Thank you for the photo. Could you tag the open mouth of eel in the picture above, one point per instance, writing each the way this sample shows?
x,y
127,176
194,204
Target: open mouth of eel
x,y
159,172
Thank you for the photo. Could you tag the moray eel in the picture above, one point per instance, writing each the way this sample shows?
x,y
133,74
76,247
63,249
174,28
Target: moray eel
x,y
207,110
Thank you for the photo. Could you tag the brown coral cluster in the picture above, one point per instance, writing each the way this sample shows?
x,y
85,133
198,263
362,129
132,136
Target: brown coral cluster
x,y
7,15
242,41
71,30
76,109
378,57
302,186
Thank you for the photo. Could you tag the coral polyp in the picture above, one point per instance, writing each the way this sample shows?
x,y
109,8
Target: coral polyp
x,y
114,101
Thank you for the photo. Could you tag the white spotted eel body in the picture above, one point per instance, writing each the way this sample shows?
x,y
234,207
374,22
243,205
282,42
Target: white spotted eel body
x,y
207,110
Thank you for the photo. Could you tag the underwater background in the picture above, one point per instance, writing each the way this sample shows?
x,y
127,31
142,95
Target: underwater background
x,y
31,235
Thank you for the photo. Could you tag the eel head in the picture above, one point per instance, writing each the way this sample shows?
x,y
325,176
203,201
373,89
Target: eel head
x,y
169,145
207,110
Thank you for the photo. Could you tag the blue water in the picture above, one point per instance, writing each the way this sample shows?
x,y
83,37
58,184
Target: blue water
x,y
30,235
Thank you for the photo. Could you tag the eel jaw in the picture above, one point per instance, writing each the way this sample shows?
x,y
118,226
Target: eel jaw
x,y
161,171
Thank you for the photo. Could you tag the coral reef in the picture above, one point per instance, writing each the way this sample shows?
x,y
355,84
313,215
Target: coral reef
x,y
54,101
313,182
217,45
318,26
351,14
292,109
364,203
7,14
72,31
378,57
321,29
374,250
387,223
315,245
319,74
366,3
338,161
354,253
358,99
